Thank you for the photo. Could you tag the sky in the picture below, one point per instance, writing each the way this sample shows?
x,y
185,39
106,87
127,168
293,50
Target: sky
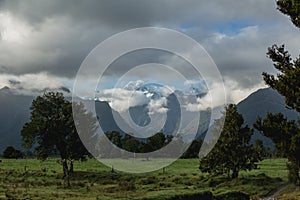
x,y
44,42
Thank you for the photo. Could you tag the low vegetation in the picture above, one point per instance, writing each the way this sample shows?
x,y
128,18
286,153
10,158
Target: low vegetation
x,y
33,179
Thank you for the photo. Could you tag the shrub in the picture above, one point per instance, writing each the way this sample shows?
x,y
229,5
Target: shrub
x,y
11,152
293,174
203,195
233,196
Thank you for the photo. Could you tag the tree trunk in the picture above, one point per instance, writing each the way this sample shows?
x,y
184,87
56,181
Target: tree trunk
x,y
66,172
71,167
298,175
235,174
65,168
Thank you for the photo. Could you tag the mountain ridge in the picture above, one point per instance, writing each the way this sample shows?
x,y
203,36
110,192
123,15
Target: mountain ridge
x,y
15,111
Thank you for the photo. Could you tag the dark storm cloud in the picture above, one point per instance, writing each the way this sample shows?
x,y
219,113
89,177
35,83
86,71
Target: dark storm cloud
x,y
143,13
54,36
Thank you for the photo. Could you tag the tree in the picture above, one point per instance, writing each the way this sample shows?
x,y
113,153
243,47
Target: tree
x,y
260,149
287,81
285,134
115,137
156,142
52,129
11,152
131,144
193,150
290,8
232,153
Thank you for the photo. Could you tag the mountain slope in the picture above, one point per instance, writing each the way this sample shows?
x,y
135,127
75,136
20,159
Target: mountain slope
x,y
260,103
15,111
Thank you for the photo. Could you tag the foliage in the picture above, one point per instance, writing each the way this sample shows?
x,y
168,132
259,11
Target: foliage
x,y
260,149
232,152
11,152
133,144
287,81
285,134
193,150
233,196
203,195
52,129
290,8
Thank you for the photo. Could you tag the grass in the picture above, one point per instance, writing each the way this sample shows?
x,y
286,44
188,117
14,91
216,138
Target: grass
x,y
33,179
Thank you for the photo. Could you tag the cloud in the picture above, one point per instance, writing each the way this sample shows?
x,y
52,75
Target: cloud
x,y
121,99
134,85
234,94
203,103
55,36
158,106
33,84
191,82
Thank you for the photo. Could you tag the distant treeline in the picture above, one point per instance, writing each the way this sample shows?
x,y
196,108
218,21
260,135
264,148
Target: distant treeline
x,y
159,140
156,142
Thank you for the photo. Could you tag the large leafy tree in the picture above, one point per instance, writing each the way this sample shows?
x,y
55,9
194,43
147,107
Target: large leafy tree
x,y
232,152
52,130
285,134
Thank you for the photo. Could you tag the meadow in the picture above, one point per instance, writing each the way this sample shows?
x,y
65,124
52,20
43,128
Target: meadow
x,y
34,179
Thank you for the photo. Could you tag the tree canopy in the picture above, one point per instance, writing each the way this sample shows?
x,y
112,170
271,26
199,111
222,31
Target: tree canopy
x,y
284,133
287,81
290,8
52,130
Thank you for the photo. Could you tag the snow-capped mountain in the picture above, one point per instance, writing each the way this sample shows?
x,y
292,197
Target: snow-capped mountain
x,y
177,117
15,111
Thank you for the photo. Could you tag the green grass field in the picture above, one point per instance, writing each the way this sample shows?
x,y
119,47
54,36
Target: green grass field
x,y
33,179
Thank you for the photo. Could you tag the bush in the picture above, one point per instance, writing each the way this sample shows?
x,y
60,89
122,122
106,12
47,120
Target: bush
x,y
202,195
11,152
293,175
233,196
126,186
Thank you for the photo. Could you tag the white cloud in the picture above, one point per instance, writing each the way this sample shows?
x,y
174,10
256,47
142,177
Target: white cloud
x,y
201,104
32,84
158,106
191,82
121,99
13,29
216,91
133,85
234,94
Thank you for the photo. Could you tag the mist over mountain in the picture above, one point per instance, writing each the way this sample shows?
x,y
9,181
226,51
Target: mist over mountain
x,y
15,111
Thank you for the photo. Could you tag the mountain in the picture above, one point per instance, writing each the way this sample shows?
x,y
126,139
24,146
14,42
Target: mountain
x,y
141,119
15,111
260,103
